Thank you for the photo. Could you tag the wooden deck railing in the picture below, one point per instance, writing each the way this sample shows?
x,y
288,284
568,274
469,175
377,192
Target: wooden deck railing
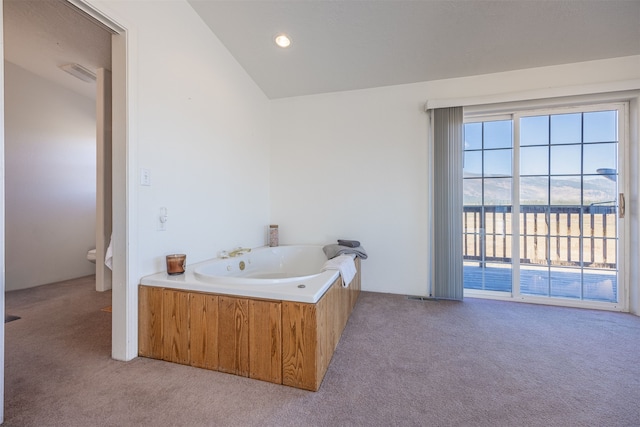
x,y
548,235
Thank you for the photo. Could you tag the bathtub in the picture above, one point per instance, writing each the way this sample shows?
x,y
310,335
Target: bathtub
x,y
287,273
270,315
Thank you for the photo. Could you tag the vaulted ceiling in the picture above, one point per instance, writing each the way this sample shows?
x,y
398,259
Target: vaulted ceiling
x,y
343,45
350,44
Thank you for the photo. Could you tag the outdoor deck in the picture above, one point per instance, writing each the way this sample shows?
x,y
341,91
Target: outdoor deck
x,y
599,285
566,238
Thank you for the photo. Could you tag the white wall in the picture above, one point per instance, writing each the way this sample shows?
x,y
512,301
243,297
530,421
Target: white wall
x,y
200,125
354,164
50,159
202,132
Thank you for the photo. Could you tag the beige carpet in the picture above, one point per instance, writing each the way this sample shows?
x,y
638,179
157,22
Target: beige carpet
x,y
399,363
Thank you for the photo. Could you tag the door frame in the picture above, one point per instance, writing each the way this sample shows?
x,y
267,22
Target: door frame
x,y
104,171
586,103
124,297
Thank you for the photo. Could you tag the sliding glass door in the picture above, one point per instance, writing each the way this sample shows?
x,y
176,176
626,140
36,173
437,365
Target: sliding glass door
x,y
487,206
559,172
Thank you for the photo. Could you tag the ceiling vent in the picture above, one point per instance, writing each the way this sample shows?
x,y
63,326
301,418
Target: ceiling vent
x,y
80,72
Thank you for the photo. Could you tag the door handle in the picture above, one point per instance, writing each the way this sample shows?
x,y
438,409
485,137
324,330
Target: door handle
x,y
621,205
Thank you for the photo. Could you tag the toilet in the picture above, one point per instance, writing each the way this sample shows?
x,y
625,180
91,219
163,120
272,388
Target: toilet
x,y
91,255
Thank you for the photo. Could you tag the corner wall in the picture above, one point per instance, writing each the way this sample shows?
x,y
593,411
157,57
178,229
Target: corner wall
x,y
50,160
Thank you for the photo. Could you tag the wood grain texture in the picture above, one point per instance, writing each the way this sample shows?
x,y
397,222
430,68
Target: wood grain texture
x,y
299,344
265,341
175,326
341,313
203,330
325,337
233,335
150,322
277,341
356,285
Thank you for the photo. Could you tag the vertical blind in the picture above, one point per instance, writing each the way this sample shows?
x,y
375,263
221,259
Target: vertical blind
x,y
446,199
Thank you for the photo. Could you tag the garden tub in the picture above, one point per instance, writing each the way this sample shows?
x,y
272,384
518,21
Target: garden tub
x,y
286,273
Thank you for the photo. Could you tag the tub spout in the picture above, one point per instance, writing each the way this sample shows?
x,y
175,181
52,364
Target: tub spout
x,y
239,251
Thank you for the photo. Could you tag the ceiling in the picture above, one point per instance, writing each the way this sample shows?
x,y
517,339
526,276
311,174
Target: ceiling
x,y
349,44
345,45
39,36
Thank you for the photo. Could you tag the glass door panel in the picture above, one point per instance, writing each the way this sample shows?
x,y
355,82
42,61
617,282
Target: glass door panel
x,y
487,213
566,189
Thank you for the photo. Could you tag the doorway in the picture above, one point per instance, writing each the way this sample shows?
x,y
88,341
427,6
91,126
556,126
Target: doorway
x,y
544,205
123,333
52,56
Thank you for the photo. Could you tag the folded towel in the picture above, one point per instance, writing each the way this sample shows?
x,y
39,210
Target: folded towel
x,y
349,243
333,250
345,265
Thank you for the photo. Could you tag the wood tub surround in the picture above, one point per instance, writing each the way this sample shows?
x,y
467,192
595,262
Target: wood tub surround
x,y
282,342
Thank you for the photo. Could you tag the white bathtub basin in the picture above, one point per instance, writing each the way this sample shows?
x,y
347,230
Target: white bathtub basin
x,y
289,273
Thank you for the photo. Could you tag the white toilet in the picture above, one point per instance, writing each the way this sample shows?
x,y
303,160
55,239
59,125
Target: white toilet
x,y
91,255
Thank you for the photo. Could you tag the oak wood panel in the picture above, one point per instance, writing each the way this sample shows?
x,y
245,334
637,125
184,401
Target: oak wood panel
x,y
325,336
330,304
357,285
233,335
340,313
299,344
265,341
175,326
150,322
203,330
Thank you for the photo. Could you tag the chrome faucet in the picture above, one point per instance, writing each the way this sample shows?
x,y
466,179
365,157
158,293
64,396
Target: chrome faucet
x,y
239,251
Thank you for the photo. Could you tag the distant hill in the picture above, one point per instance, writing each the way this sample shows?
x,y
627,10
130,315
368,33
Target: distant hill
x,y
533,190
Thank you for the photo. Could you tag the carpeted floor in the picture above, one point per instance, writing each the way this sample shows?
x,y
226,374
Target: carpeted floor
x,y
400,362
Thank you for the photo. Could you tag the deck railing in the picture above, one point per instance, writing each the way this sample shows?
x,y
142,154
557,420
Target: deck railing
x,y
549,235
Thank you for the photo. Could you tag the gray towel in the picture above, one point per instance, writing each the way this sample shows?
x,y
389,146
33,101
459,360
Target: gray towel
x,y
333,250
350,243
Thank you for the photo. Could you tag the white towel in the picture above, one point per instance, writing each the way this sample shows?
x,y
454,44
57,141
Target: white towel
x,y
108,257
345,265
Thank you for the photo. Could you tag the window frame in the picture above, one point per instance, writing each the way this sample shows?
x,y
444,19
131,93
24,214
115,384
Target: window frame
x,y
477,114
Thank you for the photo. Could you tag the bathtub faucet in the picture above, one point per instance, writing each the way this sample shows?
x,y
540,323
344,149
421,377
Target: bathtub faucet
x,y
239,251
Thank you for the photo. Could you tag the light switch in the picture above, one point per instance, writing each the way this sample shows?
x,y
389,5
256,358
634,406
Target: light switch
x,y
145,177
162,219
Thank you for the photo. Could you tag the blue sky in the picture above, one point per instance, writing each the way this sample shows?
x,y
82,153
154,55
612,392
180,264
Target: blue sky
x,y
552,147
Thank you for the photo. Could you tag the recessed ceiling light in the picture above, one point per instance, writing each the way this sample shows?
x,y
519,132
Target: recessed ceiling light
x,y
282,40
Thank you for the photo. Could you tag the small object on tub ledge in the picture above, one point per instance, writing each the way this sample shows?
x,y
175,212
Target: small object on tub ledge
x,y
349,243
333,250
345,265
176,264
273,235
